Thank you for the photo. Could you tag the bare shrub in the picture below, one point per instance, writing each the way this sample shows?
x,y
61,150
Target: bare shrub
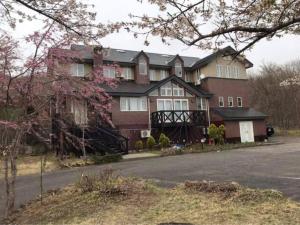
x,y
226,188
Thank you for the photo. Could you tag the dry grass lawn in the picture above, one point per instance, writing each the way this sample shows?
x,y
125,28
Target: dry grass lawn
x,y
32,165
142,203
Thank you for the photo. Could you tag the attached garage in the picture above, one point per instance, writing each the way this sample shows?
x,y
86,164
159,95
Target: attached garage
x,y
241,124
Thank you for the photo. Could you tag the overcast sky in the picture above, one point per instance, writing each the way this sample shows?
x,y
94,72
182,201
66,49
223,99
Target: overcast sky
x,y
277,50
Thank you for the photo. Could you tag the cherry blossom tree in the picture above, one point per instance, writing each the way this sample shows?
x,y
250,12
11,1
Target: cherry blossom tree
x,y
210,24
32,83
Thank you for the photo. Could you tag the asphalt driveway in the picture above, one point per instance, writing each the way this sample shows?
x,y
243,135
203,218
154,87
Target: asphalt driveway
x,y
275,166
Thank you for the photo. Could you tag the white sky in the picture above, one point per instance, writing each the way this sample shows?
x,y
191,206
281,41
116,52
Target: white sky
x,y
277,50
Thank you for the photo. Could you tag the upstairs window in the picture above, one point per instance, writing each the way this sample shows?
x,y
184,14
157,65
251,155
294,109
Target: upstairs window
x,y
178,69
157,75
142,66
153,75
201,104
109,72
127,73
230,101
239,101
229,71
166,90
131,104
177,90
163,74
221,101
78,70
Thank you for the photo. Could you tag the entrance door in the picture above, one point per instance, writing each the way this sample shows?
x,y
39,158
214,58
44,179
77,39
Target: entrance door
x,y
246,131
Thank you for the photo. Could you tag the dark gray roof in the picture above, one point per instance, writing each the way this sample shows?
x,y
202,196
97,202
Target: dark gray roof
x,y
239,113
127,88
127,56
226,51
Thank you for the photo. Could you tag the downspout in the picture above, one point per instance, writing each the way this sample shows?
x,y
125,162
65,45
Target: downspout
x,y
208,111
149,113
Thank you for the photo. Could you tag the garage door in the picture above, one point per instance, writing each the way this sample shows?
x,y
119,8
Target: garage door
x,y
246,131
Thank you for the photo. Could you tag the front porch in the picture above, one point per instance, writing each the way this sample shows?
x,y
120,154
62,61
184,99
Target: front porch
x,y
173,118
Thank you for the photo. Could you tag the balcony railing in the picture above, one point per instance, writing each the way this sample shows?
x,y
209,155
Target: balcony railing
x,y
174,118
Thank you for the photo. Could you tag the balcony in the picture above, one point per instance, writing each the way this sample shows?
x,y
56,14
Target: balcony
x,y
172,118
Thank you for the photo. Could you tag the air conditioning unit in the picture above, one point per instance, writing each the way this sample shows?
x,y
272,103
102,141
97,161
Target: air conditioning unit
x,y
198,82
145,133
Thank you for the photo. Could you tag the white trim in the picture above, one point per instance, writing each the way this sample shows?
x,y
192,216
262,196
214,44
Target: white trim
x,y
228,101
237,101
221,97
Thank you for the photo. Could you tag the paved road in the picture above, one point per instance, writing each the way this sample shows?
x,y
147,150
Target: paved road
x,y
276,166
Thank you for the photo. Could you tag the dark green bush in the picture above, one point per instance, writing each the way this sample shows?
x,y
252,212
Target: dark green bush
x,y
216,133
150,142
164,141
139,145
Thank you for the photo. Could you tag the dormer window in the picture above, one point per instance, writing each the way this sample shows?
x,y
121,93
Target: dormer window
x,y
142,66
78,70
178,69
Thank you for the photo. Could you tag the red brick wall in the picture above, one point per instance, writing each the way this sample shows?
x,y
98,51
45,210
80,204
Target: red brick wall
x,y
226,88
141,78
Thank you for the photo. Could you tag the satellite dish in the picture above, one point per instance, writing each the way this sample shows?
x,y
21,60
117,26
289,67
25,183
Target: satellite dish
x,y
202,76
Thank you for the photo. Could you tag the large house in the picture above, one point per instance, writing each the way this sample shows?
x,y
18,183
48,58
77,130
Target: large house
x,y
176,95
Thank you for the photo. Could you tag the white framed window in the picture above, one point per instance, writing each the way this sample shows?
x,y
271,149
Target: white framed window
x,y
127,73
157,75
177,90
79,110
109,72
230,101
228,71
221,101
239,102
142,66
178,69
163,74
201,104
133,104
164,104
166,90
153,76
78,70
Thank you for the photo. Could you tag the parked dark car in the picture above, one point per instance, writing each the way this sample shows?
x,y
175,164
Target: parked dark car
x,y
270,130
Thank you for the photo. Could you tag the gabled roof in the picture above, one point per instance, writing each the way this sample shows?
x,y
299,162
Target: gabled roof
x,y
134,89
225,51
239,113
128,56
156,59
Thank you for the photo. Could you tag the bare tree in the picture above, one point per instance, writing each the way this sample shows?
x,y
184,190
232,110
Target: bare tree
x,y
271,94
211,23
